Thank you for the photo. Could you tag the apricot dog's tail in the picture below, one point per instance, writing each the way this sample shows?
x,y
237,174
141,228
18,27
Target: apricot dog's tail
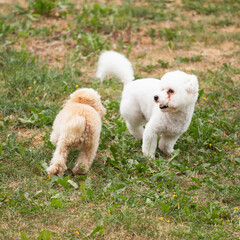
x,y
111,62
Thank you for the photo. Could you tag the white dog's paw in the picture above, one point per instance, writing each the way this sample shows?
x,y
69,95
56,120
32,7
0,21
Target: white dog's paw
x,y
56,169
166,150
148,154
165,147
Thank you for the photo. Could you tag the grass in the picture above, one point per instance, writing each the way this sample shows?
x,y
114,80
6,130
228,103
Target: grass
x,y
192,194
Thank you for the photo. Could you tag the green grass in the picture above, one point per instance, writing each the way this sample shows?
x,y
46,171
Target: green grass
x,y
192,194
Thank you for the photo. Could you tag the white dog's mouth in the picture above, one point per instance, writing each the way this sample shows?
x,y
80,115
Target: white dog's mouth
x,y
166,108
163,106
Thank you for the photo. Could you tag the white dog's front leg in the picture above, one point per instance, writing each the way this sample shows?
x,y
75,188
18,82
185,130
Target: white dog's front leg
x,y
167,143
149,144
136,131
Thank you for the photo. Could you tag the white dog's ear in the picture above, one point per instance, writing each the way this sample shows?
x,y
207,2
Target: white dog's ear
x,y
191,84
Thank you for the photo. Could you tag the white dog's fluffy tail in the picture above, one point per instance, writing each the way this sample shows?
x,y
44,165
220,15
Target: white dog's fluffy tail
x,y
111,62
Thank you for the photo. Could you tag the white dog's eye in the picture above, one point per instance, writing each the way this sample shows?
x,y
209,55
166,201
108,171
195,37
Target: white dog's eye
x,y
170,91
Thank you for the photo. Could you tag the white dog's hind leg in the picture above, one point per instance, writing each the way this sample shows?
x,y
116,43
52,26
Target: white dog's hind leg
x,y
136,131
132,116
166,143
58,162
149,144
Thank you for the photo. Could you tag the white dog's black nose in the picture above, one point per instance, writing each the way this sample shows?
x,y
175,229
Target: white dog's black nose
x,y
156,98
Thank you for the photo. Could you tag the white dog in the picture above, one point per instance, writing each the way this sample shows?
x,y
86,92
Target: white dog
x,y
166,105
78,124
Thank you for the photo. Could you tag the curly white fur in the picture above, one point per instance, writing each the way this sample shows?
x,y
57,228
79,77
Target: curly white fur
x,y
166,105
78,124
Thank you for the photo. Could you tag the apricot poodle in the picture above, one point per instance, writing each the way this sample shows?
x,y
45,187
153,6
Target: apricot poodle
x,y
78,124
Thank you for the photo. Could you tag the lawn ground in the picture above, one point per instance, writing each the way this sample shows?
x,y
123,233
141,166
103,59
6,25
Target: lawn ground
x,y
48,49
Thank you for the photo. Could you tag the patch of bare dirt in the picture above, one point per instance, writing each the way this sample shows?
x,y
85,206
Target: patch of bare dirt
x,y
230,29
14,185
213,57
6,5
60,24
53,52
12,2
54,48
36,137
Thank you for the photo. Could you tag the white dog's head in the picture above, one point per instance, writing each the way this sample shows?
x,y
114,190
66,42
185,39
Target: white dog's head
x,y
90,97
177,91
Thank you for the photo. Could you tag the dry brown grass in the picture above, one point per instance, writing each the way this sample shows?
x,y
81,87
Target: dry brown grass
x,y
56,49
